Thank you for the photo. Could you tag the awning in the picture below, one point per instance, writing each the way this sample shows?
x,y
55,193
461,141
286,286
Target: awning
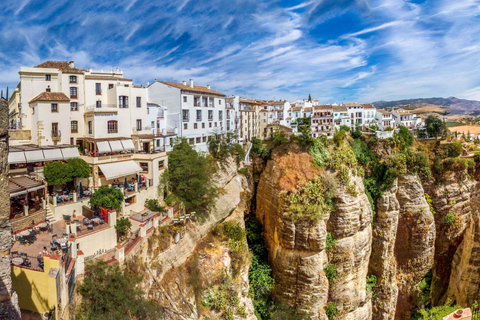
x,y
21,185
34,156
16,157
52,154
69,153
116,146
119,169
15,190
128,144
36,188
103,147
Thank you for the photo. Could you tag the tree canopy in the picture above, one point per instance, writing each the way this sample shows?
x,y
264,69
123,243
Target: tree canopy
x,y
435,126
107,197
58,172
111,292
188,177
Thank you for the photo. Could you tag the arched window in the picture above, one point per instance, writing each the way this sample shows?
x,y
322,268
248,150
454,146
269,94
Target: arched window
x,y
112,126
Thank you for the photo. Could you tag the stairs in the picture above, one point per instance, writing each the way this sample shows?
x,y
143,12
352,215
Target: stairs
x,y
50,216
247,156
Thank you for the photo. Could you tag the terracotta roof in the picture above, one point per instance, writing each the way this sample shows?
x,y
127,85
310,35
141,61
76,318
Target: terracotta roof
x,y
352,104
59,65
94,77
263,110
308,109
384,111
195,88
368,106
50,96
339,108
249,101
272,102
324,107
296,109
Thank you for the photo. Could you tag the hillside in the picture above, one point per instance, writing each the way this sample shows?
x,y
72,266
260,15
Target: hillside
x,y
450,105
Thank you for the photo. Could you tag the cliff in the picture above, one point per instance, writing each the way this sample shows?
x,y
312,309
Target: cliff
x,y
297,249
402,248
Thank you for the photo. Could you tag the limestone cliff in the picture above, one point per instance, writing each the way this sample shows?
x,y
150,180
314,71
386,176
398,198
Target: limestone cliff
x,y
297,250
402,247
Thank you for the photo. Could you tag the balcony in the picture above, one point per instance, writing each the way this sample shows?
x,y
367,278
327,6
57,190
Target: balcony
x,y
186,119
102,108
139,129
56,135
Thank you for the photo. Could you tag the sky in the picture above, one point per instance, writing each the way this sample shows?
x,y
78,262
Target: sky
x,y
335,50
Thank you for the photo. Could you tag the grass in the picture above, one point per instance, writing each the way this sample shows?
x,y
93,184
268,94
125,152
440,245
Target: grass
x,y
454,124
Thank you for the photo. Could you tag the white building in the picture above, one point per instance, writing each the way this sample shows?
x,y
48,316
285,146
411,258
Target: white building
x,y
369,113
277,111
164,129
201,108
406,119
385,119
322,121
340,115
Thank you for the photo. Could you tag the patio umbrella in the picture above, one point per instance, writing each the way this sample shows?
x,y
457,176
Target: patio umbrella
x,y
125,183
80,190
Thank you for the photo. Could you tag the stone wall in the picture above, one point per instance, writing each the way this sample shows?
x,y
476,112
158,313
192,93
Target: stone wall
x,y
20,134
25,222
8,298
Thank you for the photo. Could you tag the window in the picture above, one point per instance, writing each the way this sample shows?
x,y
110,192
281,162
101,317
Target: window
x,y
73,79
185,126
73,106
99,104
191,141
110,85
210,115
54,107
48,77
161,164
215,124
203,125
204,139
139,124
48,89
184,98
139,102
195,126
199,115
185,115
220,102
126,85
144,166
158,143
98,88
198,140
152,125
209,124
55,132
74,126
73,92
123,102
112,126
220,115
90,127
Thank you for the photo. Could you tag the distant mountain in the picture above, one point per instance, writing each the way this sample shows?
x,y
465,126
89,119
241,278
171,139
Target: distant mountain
x,y
450,105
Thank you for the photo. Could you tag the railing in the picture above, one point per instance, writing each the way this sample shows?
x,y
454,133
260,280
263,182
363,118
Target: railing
x,y
29,262
56,134
142,128
186,119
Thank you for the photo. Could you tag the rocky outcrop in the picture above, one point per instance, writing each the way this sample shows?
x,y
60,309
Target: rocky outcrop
x,y
9,308
456,272
298,255
402,248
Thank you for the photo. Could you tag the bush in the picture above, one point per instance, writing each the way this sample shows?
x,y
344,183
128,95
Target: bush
x,y
330,272
330,242
455,149
319,152
345,128
450,218
371,283
357,133
331,310
259,150
344,176
153,205
405,138
122,227
430,203
243,171
339,137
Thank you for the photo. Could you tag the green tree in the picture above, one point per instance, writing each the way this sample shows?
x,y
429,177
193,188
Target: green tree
x,y
357,133
304,139
111,292
339,137
78,168
405,136
345,128
223,145
57,173
107,197
435,126
188,177
455,149
309,97
122,227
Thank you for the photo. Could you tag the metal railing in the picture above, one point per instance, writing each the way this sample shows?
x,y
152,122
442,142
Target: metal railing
x,y
30,262
56,134
102,106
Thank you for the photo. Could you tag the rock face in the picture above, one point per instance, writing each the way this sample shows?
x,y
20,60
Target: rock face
x,y
456,272
402,248
9,308
298,255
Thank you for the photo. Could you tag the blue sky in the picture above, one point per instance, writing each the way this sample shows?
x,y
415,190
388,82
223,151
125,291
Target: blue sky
x,y
336,50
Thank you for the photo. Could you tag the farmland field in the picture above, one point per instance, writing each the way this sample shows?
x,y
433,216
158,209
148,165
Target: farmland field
x,y
455,124
464,129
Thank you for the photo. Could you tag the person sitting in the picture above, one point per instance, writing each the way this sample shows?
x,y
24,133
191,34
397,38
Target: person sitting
x,y
45,252
58,198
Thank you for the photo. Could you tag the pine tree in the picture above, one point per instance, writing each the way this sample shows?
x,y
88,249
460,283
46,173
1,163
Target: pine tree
x,y
309,97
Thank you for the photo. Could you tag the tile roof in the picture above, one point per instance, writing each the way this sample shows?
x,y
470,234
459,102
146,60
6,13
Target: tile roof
x,y
339,108
352,104
295,109
323,107
384,111
59,65
194,89
308,109
249,101
367,106
94,77
50,96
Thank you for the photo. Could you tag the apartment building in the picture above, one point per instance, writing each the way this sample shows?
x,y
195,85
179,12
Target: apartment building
x,y
200,109
13,113
340,115
369,113
406,119
277,111
164,128
322,121
385,119
247,113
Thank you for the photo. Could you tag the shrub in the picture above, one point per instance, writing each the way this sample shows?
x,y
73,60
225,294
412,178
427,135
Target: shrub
x,y
344,176
259,150
476,156
331,310
357,133
319,152
243,171
339,137
430,203
330,272
153,205
330,242
418,163
107,197
405,137
455,149
352,190
342,154
122,227
371,283
450,218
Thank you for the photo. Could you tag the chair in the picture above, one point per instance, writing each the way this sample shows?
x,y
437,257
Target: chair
x,y
27,262
86,222
64,235
22,240
23,255
53,246
50,228
90,226
30,229
102,221
54,238
14,254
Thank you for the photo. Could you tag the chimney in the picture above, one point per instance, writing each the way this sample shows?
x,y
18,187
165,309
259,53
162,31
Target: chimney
x,y
208,86
148,83
184,82
191,83
71,64
156,79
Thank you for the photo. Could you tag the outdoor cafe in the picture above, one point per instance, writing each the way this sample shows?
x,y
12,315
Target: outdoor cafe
x,y
26,196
